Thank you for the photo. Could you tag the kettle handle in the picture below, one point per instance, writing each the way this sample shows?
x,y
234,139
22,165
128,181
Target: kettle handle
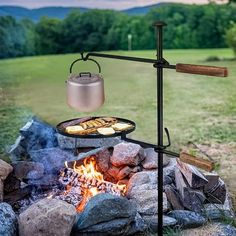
x,y
80,59
85,73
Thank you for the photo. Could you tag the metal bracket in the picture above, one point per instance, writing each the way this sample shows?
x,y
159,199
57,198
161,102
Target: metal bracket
x,y
163,147
161,62
168,138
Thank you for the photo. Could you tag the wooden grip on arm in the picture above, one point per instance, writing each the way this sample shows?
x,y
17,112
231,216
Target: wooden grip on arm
x,y
196,161
202,70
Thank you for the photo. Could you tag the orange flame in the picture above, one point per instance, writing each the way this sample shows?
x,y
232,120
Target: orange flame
x,y
88,169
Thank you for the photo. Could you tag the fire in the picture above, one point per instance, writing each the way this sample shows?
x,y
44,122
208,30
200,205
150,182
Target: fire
x,y
83,182
88,169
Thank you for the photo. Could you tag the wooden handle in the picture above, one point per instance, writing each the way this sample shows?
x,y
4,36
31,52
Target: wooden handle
x,y
196,161
202,70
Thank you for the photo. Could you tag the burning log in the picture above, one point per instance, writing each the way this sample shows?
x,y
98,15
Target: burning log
x,y
70,177
83,181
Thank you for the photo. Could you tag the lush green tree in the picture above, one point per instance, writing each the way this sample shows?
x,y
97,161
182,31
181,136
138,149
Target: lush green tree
x,y
189,26
231,37
12,38
87,31
48,34
29,35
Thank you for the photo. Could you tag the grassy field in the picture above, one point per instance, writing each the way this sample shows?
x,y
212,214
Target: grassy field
x,y
199,109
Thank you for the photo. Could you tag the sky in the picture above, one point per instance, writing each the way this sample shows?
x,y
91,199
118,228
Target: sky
x,y
108,4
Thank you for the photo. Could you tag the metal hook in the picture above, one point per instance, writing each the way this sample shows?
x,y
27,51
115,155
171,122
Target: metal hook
x,y
83,58
168,138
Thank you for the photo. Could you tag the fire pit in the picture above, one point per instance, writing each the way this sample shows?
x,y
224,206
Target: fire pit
x,y
112,190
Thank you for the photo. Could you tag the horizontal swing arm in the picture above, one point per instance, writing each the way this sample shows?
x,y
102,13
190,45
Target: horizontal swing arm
x,y
183,68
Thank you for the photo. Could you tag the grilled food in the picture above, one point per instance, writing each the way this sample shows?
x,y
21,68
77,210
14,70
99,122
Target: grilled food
x,y
74,129
87,131
103,125
98,123
121,126
106,131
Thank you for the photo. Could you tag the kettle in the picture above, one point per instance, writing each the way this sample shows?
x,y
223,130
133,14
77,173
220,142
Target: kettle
x,y
85,91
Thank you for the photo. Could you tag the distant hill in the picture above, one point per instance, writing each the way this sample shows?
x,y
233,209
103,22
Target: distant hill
x,y
36,14
142,10
60,12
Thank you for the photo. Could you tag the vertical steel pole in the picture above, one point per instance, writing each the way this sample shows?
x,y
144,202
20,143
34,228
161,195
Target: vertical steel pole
x,y
159,27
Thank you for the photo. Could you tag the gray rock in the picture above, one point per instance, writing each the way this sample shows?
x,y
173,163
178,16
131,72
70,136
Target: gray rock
x,y
152,221
105,208
141,178
46,218
146,201
5,169
53,159
103,159
212,229
227,230
127,154
8,220
151,160
17,150
218,193
83,155
138,226
65,142
142,189
216,211
146,177
169,170
187,219
28,170
173,198
48,180
35,135
112,227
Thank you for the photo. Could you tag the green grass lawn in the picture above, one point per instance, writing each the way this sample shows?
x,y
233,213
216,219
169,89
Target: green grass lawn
x,y
197,108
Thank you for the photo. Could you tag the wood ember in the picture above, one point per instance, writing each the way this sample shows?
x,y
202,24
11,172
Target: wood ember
x,y
124,172
113,171
15,196
77,184
11,183
73,196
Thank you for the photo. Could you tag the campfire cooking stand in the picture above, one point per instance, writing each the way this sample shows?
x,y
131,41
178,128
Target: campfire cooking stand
x,y
159,64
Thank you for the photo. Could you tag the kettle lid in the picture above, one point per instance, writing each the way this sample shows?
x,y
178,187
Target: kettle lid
x,y
85,78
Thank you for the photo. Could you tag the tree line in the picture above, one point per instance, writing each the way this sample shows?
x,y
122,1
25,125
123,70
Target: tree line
x,y
189,26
